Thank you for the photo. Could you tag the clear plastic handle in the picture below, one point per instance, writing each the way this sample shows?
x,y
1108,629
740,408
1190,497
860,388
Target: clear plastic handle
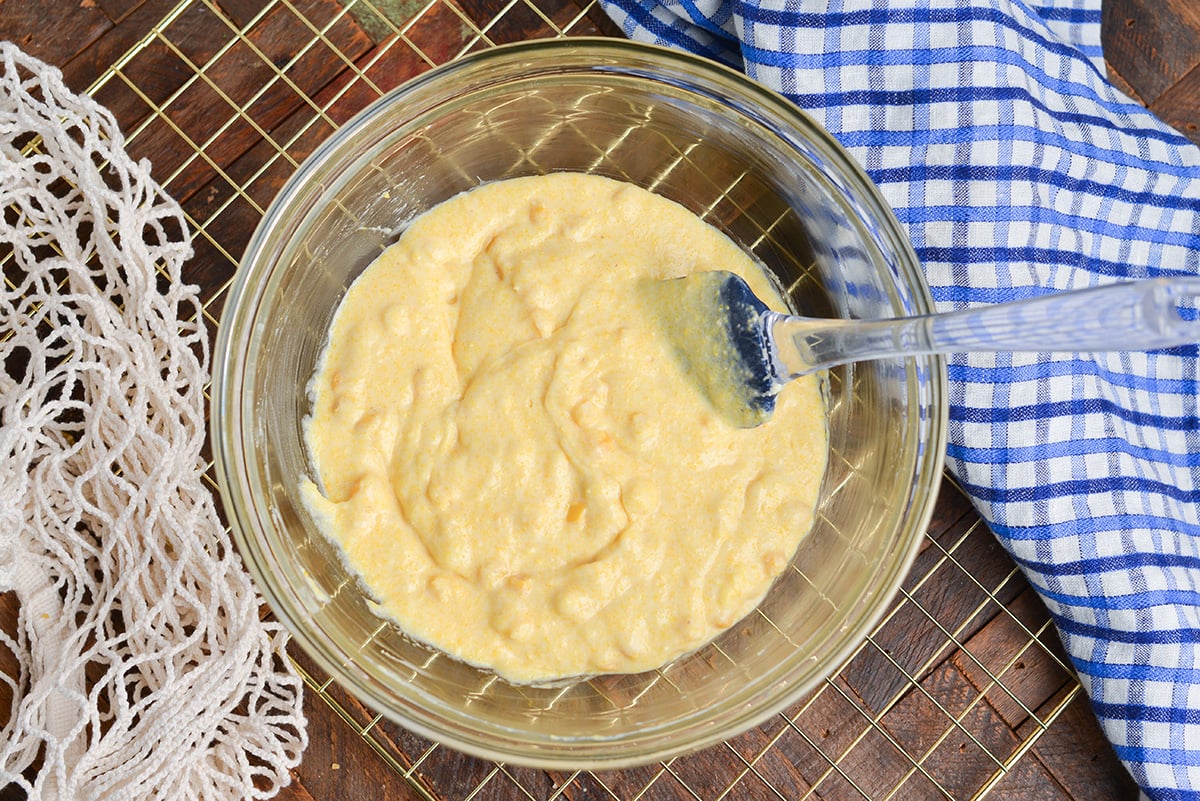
x,y
1136,315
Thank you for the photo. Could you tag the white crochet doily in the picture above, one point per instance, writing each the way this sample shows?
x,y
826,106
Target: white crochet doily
x,y
138,667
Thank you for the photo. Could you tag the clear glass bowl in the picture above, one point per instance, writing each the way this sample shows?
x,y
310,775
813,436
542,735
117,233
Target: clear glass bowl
x,y
743,159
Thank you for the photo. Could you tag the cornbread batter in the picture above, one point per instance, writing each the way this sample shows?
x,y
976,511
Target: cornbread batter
x,y
512,459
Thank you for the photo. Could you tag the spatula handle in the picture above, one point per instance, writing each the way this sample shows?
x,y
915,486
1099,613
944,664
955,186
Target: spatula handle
x,y
1131,316
1136,315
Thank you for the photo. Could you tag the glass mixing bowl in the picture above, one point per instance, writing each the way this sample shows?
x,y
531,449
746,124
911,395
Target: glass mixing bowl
x,y
744,160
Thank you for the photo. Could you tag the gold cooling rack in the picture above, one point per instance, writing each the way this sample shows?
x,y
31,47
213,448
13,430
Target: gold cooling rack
x,y
951,691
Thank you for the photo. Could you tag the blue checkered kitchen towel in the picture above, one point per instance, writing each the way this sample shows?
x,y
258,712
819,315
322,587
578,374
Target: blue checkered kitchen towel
x,y
1016,168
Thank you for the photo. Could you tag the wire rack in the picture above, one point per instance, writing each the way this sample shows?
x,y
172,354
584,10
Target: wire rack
x,y
943,700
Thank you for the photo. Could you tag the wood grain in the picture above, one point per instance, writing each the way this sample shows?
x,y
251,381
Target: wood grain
x,y
73,26
954,676
1152,43
1179,105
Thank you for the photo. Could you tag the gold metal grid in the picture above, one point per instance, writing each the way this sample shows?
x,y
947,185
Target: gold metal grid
x,y
953,688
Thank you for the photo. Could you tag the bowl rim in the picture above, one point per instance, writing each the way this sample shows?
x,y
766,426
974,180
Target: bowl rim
x,y
606,54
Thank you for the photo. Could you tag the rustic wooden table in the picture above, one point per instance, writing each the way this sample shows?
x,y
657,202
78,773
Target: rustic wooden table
x,y
960,693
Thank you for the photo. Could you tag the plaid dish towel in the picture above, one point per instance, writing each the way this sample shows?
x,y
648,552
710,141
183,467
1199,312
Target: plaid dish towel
x,y
1016,169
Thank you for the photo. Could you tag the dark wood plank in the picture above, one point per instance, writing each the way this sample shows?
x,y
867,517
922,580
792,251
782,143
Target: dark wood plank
x,y
242,93
339,763
63,30
650,782
824,727
1029,779
1118,80
89,64
156,70
1075,751
512,22
756,747
243,12
952,596
1179,106
9,666
303,129
1002,652
709,772
963,757
437,36
1153,43
117,10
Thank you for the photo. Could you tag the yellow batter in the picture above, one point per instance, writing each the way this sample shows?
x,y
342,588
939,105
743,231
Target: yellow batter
x,y
513,461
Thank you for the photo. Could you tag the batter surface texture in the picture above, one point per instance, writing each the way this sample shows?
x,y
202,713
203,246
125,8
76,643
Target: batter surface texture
x,y
511,457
